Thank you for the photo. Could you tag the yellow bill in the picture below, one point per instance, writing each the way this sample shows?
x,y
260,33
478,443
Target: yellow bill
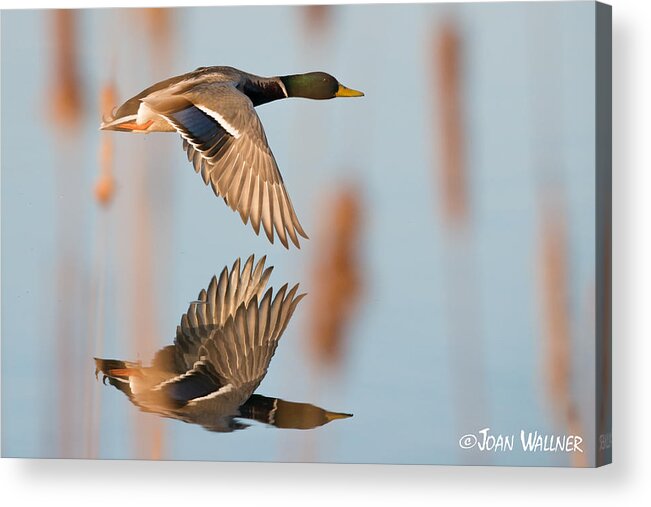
x,y
347,92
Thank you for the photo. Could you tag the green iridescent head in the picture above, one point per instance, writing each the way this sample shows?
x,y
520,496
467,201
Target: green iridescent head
x,y
317,86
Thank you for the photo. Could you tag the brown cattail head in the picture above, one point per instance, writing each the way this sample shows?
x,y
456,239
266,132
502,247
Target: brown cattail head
x,y
337,280
105,185
66,102
555,273
158,28
317,18
555,300
452,177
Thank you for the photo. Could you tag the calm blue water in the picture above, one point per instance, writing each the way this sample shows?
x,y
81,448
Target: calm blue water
x,y
420,371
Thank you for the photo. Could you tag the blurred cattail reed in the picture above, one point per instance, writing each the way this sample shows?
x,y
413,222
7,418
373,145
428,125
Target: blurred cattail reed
x,y
558,355
149,430
150,214
554,278
103,191
62,94
452,176
158,24
317,18
336,275
105,185
66,100
459,253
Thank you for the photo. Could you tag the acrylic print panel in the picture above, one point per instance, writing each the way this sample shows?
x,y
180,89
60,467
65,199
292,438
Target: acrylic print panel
x,y
453,296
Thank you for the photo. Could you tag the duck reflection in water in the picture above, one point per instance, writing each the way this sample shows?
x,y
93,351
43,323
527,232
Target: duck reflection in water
x,y
221,353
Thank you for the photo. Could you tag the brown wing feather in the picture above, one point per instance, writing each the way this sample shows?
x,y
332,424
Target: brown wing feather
x,y
218,303
225,141
241,351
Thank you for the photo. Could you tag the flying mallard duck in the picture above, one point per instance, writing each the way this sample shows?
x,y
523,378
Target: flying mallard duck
x,y
213,110
221,353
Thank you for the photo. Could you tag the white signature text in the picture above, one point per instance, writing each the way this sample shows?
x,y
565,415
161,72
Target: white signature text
x,y
531,441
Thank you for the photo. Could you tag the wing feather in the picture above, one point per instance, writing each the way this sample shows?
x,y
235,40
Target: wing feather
x,y
214,306
241,351
226,143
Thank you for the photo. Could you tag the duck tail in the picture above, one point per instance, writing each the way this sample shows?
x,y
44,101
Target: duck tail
x,y
120,124
117,373
120,117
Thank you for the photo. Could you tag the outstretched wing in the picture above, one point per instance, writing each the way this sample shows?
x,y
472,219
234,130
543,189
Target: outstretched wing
x,y
240,352
215,305
226,143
